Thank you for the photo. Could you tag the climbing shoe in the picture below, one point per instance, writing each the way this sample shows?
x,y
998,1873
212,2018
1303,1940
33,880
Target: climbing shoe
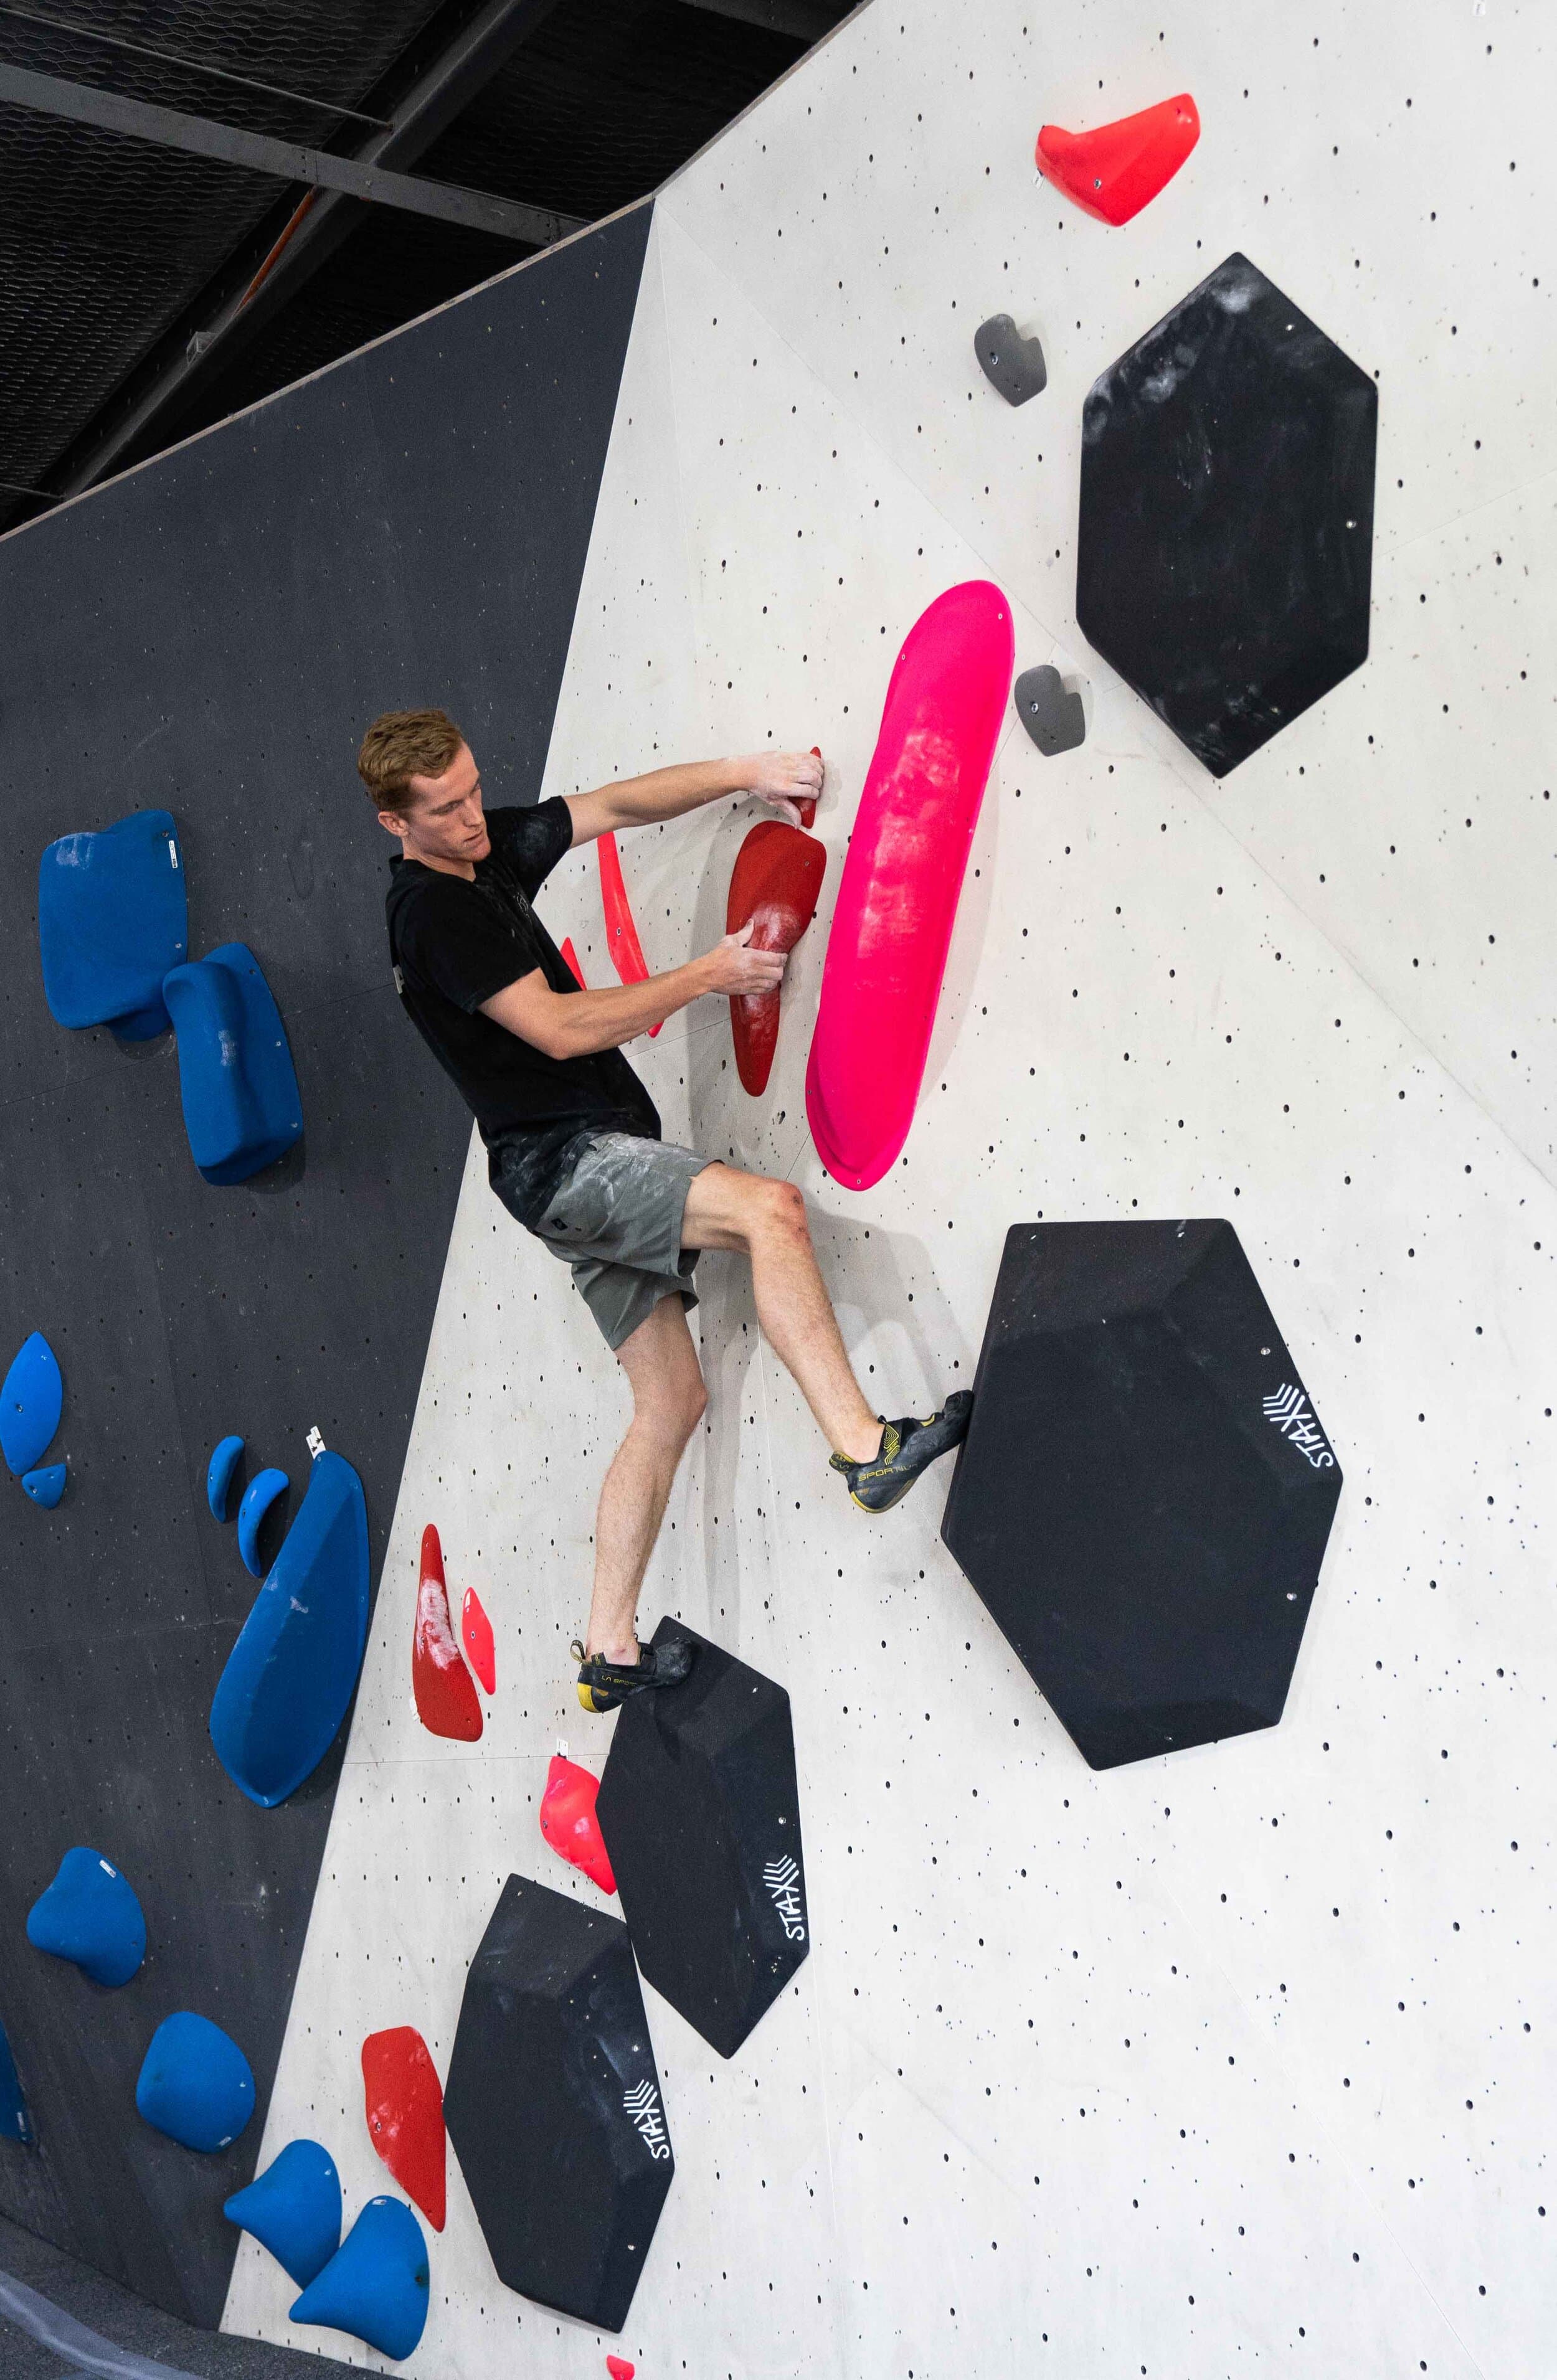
x,y
907,1448
604,1685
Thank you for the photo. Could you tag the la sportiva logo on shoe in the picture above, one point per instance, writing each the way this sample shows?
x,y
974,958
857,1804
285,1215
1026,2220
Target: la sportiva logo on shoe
x,y
782,1877
1290,1410
642,2104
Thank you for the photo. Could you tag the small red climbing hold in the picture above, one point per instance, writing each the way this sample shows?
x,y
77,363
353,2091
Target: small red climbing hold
x,y
619,2368
476,1630
404,2108
808,807
569,1820
1116,169
571,958
621,934
446,1700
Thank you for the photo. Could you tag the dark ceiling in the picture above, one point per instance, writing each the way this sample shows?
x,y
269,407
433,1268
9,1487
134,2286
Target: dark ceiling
x,y
146,291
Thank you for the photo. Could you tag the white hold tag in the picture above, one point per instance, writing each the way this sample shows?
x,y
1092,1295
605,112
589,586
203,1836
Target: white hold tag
x,y
316,1442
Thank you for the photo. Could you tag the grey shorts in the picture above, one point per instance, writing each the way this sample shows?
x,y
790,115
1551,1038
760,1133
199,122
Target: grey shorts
x,y
616,1218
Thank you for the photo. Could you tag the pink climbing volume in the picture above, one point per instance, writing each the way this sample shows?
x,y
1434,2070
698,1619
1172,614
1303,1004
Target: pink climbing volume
x,y
621,934
1116,169
902,873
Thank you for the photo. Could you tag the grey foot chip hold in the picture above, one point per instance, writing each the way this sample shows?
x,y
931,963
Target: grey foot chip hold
x,y
1051,714
1010,362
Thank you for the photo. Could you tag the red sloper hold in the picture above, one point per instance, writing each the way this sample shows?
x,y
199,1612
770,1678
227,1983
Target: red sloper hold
x,y
476,1630
619,2368
406,2115
808,807
570,958
569,1820
773,885
447,1703
1116,169
621,934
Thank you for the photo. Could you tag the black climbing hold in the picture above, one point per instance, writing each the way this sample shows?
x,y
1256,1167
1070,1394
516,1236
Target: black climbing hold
x,y
1224,551
1052,713
700,1812
553,2103
1010,362
1144,1495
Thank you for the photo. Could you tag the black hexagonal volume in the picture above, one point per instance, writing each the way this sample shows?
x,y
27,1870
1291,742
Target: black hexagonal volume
x,y
553,2107
1144,1495
1225,552
700,1812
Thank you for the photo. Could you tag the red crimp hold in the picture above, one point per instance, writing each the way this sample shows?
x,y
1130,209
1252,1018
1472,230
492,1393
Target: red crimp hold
x,y
1116,169
619,2368
808,807
446,1700
570,957
476,1630
569,1820
774,888
621,934
405,2109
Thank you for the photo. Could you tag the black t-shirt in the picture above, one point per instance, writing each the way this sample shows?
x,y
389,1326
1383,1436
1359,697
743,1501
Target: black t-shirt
x,y
454,943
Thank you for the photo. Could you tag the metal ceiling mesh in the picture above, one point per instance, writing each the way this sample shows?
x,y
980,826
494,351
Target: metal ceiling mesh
x,y
107,243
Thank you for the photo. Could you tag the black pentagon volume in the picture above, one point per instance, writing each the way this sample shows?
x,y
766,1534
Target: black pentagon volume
x,y
1144,1495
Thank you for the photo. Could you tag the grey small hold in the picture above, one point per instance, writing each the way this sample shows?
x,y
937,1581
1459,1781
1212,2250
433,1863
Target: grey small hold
x,y
1052,715
1010,363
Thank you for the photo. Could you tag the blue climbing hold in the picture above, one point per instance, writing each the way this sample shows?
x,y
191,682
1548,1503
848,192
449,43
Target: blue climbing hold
x,y
294,2209
29,1403
242,1106
45,1487
219,1475
90,1915
15,2124
195,2084
376,2285
257,1497
294,1669
112,919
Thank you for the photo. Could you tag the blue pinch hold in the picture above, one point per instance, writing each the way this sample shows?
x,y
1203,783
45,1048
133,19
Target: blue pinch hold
x,y
219,1475
292,1673
195,2084
376,2287
47,1487
241,1105
294,2209
90,1915
15,2124
112,919
30,1402
257,1497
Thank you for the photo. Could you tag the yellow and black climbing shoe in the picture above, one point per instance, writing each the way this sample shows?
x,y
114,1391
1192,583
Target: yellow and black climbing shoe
x,y
604,1685
907,1447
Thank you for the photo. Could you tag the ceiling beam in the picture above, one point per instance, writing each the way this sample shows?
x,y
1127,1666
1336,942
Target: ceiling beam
x,y
240,304
258,153
802,20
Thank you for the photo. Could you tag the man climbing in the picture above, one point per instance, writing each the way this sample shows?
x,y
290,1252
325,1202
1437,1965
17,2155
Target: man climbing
x,y
573,1138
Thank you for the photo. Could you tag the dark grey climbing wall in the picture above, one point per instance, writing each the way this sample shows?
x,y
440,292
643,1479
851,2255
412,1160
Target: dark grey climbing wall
x,y
211,635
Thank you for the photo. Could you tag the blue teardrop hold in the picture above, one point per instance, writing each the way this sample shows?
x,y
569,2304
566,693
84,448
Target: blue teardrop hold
x,y
195,2084
294,2209
376,2287
90,1915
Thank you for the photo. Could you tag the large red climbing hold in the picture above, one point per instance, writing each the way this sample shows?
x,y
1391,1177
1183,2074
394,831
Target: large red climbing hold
x,y
619,2368
476,1630
1116,169
569,1820
774,888
570,959
621,934
404,2107
446,1700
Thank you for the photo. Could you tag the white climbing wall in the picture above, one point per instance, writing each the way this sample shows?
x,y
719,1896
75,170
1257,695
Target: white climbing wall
x,y
1241,2061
